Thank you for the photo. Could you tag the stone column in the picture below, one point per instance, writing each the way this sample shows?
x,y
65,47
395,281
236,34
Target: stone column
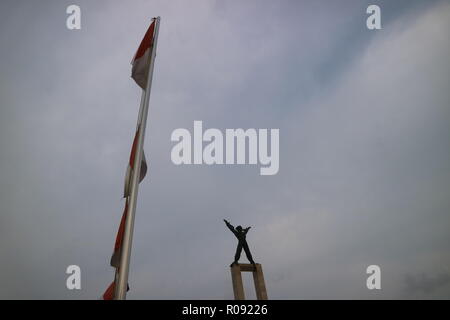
x,y
260,286
238,286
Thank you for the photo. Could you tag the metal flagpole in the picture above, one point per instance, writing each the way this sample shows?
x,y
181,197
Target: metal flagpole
x,y
121,290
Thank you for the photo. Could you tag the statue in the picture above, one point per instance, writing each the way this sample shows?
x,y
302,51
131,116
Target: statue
x,y
240,235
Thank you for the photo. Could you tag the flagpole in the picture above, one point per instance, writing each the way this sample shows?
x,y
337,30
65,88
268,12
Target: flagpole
x,y
122,282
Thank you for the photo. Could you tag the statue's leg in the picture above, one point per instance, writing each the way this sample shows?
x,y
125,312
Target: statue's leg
x,y
238,253
247,253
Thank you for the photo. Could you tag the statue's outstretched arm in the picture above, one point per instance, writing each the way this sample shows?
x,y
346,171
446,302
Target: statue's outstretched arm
x,y
229,225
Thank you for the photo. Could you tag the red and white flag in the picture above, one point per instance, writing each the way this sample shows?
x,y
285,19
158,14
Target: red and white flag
x,y
129,172
141,59
115,258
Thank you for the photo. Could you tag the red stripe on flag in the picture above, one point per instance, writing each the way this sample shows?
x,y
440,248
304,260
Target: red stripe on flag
x,y
143,171
146,42
121,230
130,167
133,148
115,258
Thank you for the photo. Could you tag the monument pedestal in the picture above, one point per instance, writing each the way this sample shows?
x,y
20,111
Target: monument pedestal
x,y
258,278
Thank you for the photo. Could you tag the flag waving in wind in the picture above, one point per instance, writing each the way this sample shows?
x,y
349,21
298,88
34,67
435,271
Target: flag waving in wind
x,y
141,59
141,72
115,258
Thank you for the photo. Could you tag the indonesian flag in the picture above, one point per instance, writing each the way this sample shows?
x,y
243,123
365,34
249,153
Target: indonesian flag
x,y
115,258
141,60
129,172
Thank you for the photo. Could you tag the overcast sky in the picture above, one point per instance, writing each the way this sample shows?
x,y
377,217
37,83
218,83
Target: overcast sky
x,y
364,119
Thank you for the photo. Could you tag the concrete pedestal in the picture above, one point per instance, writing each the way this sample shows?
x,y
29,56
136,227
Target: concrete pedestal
x,y
258,278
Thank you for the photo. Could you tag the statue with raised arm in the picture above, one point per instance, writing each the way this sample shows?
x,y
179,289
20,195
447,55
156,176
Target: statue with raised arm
x,y
242,242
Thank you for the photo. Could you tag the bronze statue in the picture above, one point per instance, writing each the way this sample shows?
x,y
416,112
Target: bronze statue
x,y
240,235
